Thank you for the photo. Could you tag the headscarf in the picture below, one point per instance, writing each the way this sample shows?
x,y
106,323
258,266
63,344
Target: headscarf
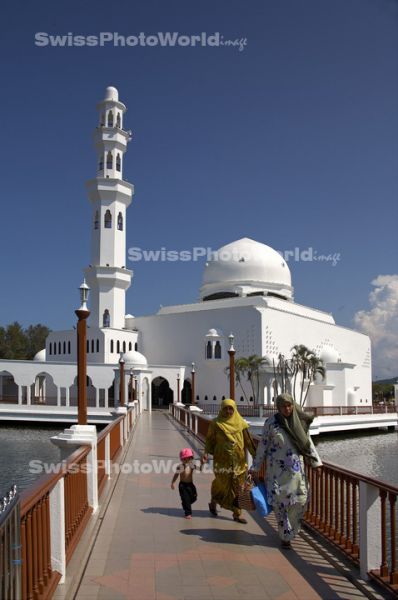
x,y
296,425
232,426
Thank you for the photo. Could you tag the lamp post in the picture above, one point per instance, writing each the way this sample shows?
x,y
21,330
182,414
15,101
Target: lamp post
x,y
193,384
121,380
82,314
231,353
178,387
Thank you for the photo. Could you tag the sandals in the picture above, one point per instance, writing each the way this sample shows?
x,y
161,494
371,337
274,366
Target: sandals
x,y
240,520
213,509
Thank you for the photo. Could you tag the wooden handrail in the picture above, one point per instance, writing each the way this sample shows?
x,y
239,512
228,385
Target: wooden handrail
x,y
31,495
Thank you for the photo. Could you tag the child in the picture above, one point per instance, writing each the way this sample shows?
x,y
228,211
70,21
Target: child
x,y
186,486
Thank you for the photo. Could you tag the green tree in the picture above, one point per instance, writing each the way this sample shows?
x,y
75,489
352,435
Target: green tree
x,y
15,342
36,339
305,363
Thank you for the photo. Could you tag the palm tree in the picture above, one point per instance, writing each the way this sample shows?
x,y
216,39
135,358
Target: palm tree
x,y
308,365
249,367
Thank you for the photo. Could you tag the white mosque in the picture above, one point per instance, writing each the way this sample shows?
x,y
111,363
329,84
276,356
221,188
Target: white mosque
x,y
247,290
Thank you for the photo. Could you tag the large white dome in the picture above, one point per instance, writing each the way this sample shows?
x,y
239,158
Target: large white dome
x,y
134,358
245,268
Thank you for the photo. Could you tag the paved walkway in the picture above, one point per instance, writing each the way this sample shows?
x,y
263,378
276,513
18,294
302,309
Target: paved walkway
x,y
146,550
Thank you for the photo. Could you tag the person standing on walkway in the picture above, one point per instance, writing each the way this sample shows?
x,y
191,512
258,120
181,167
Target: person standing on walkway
x,y
285,445
186,486
227,440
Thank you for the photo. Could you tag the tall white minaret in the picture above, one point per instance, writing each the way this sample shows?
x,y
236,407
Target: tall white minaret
x,y
109,196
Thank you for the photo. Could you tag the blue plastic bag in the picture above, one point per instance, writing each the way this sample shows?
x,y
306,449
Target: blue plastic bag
x,y
259,495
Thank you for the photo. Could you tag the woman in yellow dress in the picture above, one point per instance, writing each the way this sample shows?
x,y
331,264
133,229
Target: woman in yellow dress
x,y
227,440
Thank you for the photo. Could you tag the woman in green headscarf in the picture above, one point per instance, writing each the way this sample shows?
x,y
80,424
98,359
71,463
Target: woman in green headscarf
x,y
285,444
227,440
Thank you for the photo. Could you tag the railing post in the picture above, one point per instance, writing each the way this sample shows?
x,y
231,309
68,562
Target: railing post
x,y
369,528
108,456
57,529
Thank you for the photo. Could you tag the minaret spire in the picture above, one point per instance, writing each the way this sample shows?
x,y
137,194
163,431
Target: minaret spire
x,y
109,196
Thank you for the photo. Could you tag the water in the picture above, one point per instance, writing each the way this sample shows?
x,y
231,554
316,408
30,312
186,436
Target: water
x,y
372,454
20,444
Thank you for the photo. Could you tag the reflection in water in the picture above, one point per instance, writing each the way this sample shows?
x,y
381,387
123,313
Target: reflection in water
x,y
372,454
20,444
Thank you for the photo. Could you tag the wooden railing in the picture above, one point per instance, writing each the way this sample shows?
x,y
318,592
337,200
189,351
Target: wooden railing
x,y
355,512
10,545
55,510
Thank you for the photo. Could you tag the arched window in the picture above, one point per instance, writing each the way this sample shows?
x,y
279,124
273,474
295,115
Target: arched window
x,y
136,347
209,350
51,348
88,346
108,220
197,398
102,122
206,398
241,398
55,347
217,350
110,119
120,222
118,347
96,220
68,347
251,399
92,345
59,347
223,398
97,345
118,163
214,398
109,160
101,163
130,346
118,120
106,318
112,347
124,346
64,347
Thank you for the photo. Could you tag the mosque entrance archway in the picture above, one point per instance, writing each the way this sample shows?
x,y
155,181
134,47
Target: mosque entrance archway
x,y
90,391
186,392
162,394
8,388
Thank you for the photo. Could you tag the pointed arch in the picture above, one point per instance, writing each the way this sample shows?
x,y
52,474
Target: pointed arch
x,y
209,350
120,222
118,162
109,160
110,118
118,121
101,163
106,319
217,350
108,220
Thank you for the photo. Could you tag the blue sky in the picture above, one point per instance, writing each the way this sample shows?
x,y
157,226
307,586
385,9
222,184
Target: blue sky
x,y
292,142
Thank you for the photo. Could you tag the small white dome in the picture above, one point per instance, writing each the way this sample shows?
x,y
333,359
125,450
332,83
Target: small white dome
x,y
40,356
243,268
329,354
134,358
111,93
214,333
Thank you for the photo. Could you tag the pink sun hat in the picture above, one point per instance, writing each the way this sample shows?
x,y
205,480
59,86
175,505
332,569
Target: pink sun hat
x,y
186,453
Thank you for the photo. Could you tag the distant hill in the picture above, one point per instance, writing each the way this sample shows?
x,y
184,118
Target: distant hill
x,y
387,381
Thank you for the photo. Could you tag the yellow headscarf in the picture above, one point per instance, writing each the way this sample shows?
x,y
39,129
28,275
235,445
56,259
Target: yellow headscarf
x,y
232,426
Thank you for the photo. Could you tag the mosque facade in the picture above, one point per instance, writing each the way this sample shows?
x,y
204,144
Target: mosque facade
x,y
247,290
